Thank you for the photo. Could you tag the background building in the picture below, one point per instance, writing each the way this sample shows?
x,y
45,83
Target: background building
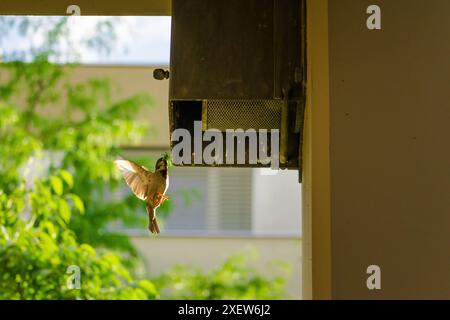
x,y
214,212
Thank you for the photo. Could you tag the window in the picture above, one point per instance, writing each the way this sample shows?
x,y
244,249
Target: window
x,y
223,203
228,201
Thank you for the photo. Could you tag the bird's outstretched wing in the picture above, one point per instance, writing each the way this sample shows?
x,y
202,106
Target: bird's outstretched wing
x,y
136,176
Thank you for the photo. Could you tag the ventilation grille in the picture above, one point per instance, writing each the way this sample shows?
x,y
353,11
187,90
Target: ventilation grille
x,y
241,114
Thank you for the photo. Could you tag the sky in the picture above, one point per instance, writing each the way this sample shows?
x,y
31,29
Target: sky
x,y
140,40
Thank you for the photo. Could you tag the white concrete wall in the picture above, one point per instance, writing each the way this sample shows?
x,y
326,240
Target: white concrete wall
x,y
276,207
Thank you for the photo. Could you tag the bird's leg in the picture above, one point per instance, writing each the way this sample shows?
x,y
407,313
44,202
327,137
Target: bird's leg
x,y
161,198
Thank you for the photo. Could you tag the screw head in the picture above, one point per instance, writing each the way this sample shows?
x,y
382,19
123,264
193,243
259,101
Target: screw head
x,y
160,74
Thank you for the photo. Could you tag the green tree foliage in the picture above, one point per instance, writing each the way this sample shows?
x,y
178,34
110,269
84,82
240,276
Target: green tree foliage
x,y
85,128
83,138
234,279
36,243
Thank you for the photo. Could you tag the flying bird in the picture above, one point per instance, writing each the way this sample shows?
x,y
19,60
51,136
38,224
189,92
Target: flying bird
x,y
146,185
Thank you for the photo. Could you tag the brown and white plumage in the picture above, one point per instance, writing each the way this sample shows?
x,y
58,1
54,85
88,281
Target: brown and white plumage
x,y
146,185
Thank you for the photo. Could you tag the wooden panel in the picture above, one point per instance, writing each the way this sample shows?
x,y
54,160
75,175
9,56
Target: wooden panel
x,y
287,48
88,7
316,213
222,49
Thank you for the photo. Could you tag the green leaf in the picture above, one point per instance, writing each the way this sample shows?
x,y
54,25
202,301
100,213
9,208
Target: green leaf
x,y
57,184
67,177
77,203
88,249
148,286
64,210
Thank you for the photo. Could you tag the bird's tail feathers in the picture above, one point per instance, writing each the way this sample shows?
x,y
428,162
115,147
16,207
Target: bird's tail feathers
x,y
152,223
153,226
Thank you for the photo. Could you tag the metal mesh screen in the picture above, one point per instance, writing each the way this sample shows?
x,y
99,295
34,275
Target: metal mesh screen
x,y
241,114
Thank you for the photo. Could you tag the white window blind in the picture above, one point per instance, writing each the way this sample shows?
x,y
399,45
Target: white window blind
x,y
221,202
